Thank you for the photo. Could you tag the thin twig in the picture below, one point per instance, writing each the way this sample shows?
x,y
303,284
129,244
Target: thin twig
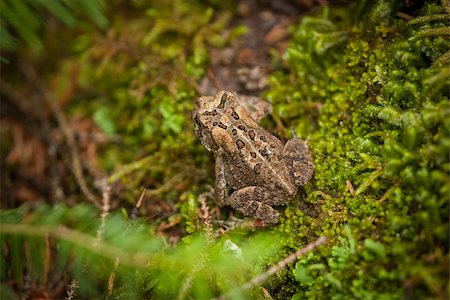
x,y
261,278
266,293
350,187
112,276
404,16
283,263
135,213
67,131
129,168
141,198
105,211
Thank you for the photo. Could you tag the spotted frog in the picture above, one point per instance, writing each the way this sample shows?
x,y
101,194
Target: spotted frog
x,y
254,169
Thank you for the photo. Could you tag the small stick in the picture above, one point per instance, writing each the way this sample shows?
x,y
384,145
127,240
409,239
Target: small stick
x,y
105,211
77,168
112,276
141,198
261,278
350,188
283,263
134,212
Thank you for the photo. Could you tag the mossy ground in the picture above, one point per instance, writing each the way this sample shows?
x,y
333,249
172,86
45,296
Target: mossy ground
x,y
371,96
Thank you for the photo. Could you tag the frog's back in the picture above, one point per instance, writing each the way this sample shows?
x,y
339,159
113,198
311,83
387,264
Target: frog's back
x,y
258,161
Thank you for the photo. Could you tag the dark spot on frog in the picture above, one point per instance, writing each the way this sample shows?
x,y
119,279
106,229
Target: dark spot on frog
x,y
257,168
251,134
223,99
253,154
264,152
235,115
272,146
211,113
234,131
223,126
240,144
215,124
263,138
242,127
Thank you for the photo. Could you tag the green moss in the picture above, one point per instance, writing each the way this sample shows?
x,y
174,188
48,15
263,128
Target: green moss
x,y
144,70
368,91
372,99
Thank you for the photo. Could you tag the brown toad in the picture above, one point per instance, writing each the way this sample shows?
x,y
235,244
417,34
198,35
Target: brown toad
x,y
256,166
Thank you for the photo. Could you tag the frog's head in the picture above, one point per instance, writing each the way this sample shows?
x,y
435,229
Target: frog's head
x,y
207,113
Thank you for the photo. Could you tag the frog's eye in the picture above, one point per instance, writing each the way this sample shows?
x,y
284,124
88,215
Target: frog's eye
x,y
196,119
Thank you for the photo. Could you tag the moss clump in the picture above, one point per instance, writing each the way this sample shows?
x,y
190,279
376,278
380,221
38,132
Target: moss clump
x,y
144,70
370,91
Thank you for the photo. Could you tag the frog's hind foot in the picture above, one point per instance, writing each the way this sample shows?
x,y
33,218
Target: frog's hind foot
x,y
243,201
299,161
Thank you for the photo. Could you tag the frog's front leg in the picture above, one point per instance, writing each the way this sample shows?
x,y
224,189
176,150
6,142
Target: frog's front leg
x,y
220,183
251,201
